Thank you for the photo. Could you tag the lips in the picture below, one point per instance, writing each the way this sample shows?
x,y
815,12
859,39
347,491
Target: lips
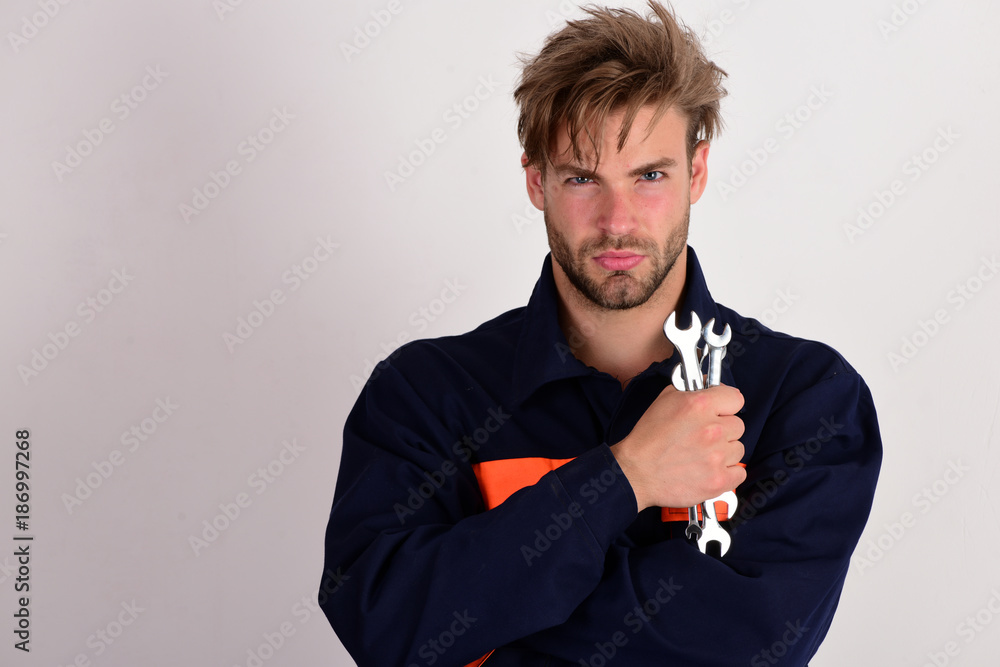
x,y
618,261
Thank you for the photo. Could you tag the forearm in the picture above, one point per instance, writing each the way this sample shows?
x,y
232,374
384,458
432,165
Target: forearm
x,y
474,584
802,511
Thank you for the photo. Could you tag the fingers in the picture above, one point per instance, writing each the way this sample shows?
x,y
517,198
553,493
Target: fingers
x,y
729,399
738,476
732,427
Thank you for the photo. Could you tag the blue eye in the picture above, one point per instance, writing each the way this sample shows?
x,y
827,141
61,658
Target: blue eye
x,y
654,174
579,180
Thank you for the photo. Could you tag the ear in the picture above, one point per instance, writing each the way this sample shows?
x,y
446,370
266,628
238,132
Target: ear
x,y
699,170
533,178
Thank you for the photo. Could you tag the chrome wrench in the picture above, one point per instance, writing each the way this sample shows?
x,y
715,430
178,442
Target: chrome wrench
x,y
686,341
687,377
716,346
711,530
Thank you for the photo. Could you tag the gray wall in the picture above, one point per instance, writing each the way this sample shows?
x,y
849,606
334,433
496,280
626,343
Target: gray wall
x,y
152,410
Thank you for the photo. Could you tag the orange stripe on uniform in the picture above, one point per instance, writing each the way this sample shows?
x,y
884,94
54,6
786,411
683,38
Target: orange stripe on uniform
x,y
477,663
499,480
681,514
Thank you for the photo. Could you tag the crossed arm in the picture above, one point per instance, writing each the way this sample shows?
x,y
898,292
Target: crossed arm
x,y
448,582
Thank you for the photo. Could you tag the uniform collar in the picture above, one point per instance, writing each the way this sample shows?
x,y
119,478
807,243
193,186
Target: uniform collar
x,y
543,353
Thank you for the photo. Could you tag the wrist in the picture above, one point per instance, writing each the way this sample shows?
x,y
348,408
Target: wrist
x,y
631,472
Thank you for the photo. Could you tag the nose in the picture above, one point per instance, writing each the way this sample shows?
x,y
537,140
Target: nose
x,y
617,213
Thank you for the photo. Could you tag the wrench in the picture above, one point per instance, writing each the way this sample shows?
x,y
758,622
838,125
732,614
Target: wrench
x,y
705,356
686,342
694,528
716,351
715,345
687,376
712,531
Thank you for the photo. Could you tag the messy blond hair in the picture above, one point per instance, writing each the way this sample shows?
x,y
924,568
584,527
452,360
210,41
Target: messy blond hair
x,y
615,60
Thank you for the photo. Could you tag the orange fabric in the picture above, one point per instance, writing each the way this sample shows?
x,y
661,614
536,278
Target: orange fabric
x,y
681,514
477,663
498,480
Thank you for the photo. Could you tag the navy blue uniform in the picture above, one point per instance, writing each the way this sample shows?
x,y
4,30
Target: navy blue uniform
x,y
479,508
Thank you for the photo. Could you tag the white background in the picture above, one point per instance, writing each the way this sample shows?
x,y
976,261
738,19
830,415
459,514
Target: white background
x,y
781,239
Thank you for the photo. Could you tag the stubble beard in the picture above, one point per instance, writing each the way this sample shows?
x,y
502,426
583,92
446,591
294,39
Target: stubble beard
x,y
619,290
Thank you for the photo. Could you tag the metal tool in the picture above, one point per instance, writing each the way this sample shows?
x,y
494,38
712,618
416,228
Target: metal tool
x,y
693,529
687,377
711,531
677,378
716,344
686,341
715,349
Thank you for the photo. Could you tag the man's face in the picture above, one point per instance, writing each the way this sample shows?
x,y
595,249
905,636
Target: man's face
x,y
616,231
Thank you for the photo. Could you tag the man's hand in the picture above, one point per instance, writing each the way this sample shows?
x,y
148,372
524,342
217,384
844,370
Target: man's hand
x,y
685,449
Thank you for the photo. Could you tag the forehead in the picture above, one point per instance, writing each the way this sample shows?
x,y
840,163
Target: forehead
x,y
666,137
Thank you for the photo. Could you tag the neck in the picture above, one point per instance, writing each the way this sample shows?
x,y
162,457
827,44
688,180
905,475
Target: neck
x,y
622,343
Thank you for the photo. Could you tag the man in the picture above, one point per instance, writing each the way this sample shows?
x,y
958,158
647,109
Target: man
x,y
515,495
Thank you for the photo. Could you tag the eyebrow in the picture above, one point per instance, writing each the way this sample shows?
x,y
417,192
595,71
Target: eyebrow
x,y
656,165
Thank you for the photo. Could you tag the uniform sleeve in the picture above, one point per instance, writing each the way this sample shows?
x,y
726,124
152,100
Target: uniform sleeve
x,y
425,576
810,485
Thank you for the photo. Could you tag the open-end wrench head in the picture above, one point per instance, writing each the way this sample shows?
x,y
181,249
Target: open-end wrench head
x,y
731,501
720,340
682,337
686,342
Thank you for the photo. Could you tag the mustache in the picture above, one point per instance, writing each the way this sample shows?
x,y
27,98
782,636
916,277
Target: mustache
x,y
626,242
